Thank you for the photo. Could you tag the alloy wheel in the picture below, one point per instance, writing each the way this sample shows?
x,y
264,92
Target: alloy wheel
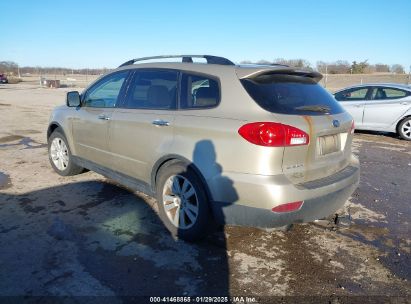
x,y
180,202
59,153
406,129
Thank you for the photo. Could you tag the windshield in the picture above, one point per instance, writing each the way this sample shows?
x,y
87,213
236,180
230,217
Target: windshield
x,y
289,94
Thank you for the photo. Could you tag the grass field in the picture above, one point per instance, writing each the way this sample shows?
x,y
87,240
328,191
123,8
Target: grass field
x,y
339,81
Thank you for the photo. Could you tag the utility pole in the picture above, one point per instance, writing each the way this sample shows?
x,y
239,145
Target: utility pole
x,y
326,75
409,75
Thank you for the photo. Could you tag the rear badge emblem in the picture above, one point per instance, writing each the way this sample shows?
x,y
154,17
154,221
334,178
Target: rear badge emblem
x,y
336,123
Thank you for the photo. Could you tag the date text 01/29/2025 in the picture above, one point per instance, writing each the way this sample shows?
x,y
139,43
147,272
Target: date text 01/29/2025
x,y
188,299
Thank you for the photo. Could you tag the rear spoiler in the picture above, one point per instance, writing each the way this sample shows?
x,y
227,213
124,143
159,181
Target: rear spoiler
x,y
289,72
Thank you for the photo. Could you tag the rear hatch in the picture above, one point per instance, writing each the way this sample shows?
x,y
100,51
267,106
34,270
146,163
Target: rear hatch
x,y
296,99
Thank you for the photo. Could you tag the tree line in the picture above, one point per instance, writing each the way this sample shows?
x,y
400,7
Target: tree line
x,y
12,68
362,67
336,67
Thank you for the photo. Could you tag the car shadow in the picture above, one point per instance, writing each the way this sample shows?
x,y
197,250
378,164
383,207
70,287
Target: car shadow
x,y
388,134
98,238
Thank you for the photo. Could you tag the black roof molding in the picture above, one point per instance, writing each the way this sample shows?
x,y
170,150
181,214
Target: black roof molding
x,y
287,71
185,58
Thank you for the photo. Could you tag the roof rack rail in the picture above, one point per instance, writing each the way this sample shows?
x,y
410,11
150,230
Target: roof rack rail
x,y
185,58
267,64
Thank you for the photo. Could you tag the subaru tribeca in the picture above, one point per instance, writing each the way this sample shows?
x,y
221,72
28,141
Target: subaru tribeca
x,y
261,146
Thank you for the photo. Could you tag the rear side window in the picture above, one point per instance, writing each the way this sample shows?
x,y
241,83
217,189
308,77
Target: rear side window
x,y
356,94
388,93
152,89
199,92
289,94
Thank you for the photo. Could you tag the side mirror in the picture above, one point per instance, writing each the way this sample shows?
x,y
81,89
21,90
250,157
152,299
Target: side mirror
x,y
73,99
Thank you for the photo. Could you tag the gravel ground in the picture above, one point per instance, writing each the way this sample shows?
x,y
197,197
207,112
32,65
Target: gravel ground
x,y
88,236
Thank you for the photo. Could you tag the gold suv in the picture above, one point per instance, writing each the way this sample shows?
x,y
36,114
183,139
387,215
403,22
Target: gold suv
x,y
262,146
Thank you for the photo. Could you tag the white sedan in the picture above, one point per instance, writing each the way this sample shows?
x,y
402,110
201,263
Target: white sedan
x,y
379,107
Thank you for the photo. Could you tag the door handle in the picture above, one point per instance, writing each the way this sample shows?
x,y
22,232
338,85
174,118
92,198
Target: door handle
x,y
358,106
160,122
405,103
103,117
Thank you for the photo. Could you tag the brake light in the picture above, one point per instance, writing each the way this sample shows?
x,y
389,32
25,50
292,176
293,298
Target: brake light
x,y
352,127
272,134
288,207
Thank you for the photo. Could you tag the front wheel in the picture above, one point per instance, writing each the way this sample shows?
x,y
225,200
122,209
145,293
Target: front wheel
x,y
182,202
60,155
404,129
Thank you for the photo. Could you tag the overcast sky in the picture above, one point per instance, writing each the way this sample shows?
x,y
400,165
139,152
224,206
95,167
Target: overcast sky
x,y
92,33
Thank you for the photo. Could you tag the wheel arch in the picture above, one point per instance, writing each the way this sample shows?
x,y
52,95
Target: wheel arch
x,y
55,125
52,127
173,158
408,115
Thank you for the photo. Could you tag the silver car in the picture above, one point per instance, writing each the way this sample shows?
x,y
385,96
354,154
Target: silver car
x,y
262,146
379,107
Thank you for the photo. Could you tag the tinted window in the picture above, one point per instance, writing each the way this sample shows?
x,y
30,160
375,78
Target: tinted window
x,y
152,89
388,93
288,94
104,94
352,94
199,92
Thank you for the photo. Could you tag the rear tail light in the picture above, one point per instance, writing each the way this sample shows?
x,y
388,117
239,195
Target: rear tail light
x,y
272,134
352,127
288,207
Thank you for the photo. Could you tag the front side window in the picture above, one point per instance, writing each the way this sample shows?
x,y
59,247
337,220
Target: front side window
x,y
352,94
388,93
199,92
105,93
152,89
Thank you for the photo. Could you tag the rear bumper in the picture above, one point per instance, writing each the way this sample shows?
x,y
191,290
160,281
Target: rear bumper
x,y
250,203
311,210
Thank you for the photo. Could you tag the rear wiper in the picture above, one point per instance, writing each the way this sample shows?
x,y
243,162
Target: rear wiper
x,y
315,108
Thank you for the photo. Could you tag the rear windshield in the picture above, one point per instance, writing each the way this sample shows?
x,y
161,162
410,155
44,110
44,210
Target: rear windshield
x,y
289,94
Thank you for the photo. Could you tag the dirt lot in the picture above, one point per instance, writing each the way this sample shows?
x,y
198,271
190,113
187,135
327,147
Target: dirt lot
x,y
85,235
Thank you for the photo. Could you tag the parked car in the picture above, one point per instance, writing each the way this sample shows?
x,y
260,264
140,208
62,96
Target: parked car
x,y
379,107
262,146
3,78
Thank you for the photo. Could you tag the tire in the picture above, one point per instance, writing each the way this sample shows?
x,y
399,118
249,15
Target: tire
x,y
182,202
60,155
404,128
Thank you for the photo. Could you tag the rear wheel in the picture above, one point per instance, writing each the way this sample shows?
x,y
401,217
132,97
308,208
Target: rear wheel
x,y
60,155
404,128
182,202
